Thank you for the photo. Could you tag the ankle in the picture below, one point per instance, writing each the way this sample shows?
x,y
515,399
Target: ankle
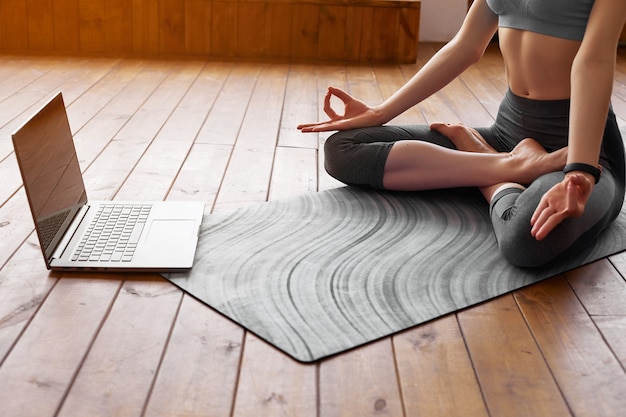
x,y
491,191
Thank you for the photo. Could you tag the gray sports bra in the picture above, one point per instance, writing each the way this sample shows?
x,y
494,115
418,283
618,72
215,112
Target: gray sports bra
x,y
559,18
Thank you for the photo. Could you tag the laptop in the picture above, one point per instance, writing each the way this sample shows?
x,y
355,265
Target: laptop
x,y
78,234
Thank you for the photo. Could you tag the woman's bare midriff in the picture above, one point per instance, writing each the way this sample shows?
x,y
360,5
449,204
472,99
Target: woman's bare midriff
x,y
537,66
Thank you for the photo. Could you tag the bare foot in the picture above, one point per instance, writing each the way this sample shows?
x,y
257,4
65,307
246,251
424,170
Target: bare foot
x,y
535,161
463,137
532,160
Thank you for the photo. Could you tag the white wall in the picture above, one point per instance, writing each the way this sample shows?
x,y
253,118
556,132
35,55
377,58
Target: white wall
x,y
441,19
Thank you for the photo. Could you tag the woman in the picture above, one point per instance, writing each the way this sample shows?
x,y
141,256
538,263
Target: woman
x,y
551,166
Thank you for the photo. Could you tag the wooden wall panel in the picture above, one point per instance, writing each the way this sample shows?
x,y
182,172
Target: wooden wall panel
x,y
92,16
305,31
280,26
347,30
224,28
145,26
118,25
252,29
354,31
13,20
65,15
332,39
380,40
408,34
172,31
198,20
40,25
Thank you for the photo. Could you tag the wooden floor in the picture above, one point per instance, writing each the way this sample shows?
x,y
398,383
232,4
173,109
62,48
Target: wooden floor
x,y
224,133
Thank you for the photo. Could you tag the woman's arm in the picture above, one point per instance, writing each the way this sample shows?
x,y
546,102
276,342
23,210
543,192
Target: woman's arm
x,y
592,76
467,47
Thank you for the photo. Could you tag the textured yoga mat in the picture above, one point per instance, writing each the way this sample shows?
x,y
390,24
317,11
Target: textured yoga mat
x,y
322,273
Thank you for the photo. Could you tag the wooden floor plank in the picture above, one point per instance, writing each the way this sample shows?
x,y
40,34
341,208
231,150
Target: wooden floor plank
x,y
117,374
190,114
43,363
248,175
201,175
89,72
100,95
300,106
362,382
515,381
362,84
24,284
159,165
613,329
14,76
619,262
272,384
436,374
294,172
224,122
600,288
574,349
11,178
200,369
92,138
17,225
160,104
60,75
106,176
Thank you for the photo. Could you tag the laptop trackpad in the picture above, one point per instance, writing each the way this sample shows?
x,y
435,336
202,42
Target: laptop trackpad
x,y
168,237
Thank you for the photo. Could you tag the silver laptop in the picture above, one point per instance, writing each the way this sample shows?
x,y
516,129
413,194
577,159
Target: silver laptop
x,y
77,234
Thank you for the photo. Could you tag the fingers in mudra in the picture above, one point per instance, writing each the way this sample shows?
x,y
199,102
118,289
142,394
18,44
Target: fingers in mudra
x,y
566,199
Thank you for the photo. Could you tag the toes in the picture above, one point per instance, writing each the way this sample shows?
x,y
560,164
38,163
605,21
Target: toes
x,y
438,127
450,130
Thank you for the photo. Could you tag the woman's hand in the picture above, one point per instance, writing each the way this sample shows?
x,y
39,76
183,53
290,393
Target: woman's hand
x,y
566,199
356,114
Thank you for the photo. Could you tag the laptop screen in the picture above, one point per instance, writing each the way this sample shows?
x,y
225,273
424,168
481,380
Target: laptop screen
x,y
50,171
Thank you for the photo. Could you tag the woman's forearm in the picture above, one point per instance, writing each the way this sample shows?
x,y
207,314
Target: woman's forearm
x,y
467,47
592,83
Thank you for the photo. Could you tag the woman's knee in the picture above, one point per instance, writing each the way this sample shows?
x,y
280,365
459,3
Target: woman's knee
x,y
356,158
516,244
572,235
521,249
335,157
511,212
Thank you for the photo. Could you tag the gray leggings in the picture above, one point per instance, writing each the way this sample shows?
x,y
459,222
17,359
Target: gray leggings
x,y
357,157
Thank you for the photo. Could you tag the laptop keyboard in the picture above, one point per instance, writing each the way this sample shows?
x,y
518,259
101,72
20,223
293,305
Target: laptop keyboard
x,y
49,227
113,234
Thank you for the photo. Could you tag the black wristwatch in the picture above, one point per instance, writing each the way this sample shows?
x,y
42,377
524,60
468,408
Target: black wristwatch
x,y
589,169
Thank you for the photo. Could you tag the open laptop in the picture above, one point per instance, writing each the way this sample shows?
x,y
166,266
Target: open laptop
x,y
165,234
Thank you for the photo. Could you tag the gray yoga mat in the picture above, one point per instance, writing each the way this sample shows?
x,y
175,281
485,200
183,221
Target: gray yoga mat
x,y
322,273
